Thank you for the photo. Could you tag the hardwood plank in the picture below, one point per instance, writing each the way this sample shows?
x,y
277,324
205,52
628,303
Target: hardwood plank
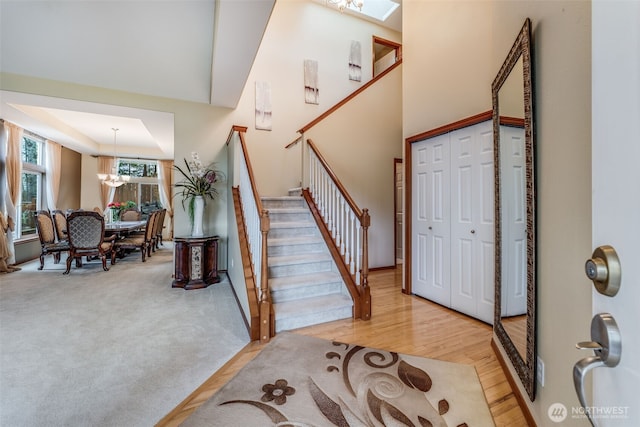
x,y
401,323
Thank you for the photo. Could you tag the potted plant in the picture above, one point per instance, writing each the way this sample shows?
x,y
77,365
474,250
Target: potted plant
x,y
198,185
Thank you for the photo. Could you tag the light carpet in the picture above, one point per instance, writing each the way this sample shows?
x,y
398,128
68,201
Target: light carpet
x,y
114,348
300,381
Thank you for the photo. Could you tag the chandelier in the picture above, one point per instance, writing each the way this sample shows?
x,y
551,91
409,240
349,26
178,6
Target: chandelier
x,y
347,4
113,179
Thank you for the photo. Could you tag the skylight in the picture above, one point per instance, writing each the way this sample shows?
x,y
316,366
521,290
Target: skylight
x,y
378,9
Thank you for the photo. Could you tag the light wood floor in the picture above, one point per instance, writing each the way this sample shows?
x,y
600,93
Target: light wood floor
x,y
401,323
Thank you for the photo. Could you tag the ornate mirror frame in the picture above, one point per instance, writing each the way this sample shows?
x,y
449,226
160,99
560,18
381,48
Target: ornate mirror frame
x,y
525,365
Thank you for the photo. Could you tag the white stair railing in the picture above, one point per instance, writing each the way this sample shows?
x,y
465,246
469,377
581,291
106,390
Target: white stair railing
x,y
346,223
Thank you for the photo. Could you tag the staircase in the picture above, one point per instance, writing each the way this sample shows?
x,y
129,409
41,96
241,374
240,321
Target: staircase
x,y
306,288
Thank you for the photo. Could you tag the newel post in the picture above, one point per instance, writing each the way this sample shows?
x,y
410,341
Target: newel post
x,y
365,292
265,299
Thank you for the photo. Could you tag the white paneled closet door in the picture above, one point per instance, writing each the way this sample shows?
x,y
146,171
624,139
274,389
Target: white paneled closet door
x,y
472,228
452,220
431,219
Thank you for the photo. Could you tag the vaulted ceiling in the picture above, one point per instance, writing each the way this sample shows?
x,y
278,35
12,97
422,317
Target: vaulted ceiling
x,y
199,51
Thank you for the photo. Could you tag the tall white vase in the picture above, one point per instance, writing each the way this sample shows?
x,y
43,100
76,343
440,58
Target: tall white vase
x,y
198,211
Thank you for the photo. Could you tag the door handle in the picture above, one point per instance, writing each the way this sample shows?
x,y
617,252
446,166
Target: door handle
x,y
607,348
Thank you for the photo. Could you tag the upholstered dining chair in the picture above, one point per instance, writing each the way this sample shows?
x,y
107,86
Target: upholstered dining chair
x,y
142,240
159,227
46,234
131,214
154,233
60,221
86,238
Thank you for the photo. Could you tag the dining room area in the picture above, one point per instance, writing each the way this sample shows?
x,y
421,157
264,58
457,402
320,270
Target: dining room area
x,y
93,235
120,168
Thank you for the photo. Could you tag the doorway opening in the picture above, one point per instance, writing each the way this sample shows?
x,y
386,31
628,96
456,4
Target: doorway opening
x,y
385,54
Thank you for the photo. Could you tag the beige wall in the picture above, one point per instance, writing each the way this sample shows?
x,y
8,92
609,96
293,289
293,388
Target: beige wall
x,y
69,193
447,62
300,30
361,149
452,52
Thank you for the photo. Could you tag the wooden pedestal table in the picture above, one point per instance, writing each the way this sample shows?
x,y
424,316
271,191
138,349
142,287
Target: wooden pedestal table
x,y
196,262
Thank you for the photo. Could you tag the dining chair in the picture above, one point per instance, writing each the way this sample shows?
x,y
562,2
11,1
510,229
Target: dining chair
x,y
60,221
86,238
154,232
142,240
46,234
160,227
131,214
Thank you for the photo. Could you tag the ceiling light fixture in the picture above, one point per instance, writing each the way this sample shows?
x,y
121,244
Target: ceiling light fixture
x,y
113,179
347,4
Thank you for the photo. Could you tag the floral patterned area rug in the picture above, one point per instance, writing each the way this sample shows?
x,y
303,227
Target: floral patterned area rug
x,y
301,381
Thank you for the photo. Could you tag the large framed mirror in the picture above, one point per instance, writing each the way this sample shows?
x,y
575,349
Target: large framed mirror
x,y
515,231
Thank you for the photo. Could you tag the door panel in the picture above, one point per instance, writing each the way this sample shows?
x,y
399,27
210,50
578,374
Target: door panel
x,y
616,194
430,219
472,230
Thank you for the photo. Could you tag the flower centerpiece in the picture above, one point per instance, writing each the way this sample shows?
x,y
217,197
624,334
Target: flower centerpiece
x,y
116,208
198,185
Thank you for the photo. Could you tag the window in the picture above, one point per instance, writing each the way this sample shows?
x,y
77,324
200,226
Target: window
x,y
143,186
138,168
32,188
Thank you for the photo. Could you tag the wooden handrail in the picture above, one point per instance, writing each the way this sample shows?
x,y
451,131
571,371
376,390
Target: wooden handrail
x,y
334,178
235,128
294,142
348,98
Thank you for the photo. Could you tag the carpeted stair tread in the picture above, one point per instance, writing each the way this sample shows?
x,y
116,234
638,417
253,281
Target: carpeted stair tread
x,y
281,241
316,305
282,201
289,210
303,280
292,224
306,289
298,259
278,198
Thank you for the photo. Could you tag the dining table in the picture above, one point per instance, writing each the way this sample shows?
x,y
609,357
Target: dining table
x,y
120,228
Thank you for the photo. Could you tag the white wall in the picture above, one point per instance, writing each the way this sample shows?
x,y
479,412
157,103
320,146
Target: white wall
x,y
452,52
